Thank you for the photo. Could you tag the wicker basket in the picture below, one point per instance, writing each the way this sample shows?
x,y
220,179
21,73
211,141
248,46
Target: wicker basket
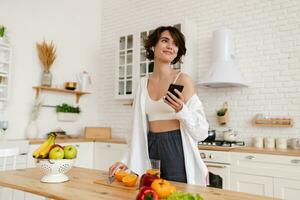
x,y
223,120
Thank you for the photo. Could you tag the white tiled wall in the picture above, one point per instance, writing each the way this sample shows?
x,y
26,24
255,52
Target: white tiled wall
x,y
267,35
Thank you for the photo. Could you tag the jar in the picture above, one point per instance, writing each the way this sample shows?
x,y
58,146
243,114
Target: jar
x,y
258,142
46,78
269,142
281,143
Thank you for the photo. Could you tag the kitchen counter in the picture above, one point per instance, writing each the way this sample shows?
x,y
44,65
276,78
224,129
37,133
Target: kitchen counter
x,y
81,187
284,152
80,139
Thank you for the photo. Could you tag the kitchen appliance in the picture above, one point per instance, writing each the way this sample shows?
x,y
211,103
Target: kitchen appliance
x,y
224,70
222,143
218,164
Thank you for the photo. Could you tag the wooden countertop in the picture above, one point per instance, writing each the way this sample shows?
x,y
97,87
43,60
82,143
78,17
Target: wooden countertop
x,y
81,187
80,139
284,152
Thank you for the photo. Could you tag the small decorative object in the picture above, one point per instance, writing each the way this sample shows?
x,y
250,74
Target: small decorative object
x,y
32,130
3,128
70,85
66,112
222,114
2,32
47,56
84,79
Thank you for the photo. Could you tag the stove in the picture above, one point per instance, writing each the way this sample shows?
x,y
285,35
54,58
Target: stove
x,y
222,143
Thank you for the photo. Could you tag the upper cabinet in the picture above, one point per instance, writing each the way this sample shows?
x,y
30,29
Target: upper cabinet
x,y
125,65
5,65
132,63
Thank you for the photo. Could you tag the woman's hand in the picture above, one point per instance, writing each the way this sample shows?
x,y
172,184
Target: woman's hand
x,y
173,101
115,167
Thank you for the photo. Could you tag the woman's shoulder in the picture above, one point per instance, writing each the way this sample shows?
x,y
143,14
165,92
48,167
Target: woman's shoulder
x,y
185,78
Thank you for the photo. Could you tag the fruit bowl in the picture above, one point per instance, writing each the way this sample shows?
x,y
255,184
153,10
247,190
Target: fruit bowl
x,y
54,170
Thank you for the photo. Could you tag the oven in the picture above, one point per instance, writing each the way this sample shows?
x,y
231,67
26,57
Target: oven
x,y
218,164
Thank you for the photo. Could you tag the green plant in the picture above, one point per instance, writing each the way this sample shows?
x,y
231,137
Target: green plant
x,y
2,31
221,112
67,108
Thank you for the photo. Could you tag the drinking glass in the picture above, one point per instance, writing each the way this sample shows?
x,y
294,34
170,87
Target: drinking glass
x,y
155,167
3,128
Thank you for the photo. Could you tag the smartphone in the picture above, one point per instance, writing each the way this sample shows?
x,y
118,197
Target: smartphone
x,y
172,88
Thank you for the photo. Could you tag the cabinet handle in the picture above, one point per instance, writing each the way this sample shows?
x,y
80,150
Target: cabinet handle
x,y
295,161
216,166
22,154
108,145
77,145
250,157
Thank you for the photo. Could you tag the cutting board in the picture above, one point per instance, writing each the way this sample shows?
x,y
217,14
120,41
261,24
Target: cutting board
x,y
115,184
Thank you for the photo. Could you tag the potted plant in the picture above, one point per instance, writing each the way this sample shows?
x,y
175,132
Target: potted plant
x,y
67,112
2,32
222,115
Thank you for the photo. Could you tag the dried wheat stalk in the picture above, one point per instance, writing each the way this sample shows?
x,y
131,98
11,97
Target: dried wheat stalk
x,y
46,54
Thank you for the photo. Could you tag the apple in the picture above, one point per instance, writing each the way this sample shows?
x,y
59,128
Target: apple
x,y
70,152
147,179
56,153
55,145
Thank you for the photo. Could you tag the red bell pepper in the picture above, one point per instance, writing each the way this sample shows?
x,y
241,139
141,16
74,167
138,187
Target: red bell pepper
x,y
147,193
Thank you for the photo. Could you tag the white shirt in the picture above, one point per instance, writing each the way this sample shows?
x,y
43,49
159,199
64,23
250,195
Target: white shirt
x,y
193,127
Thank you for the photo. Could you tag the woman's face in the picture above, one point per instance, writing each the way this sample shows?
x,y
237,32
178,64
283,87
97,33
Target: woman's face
x,y
165,49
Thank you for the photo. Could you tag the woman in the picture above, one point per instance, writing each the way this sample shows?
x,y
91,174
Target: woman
x,y
165,127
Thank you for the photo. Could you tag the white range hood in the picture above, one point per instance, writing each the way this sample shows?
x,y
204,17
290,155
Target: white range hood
x,y
224,70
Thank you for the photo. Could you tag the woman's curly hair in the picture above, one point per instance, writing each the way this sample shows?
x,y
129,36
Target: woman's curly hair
x,y
153,38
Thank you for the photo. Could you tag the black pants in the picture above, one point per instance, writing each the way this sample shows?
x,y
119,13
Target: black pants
x,y
167,147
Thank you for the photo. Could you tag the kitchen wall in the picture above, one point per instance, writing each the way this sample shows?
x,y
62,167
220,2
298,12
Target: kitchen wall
x,y
74,27
267,37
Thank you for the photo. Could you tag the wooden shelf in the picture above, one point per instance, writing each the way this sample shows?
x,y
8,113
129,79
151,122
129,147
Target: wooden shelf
x,y
275,122
39,89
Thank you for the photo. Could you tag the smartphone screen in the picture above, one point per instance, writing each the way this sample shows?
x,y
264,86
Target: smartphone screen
x,y
172,88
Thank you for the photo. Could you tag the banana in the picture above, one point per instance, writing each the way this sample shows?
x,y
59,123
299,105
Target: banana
x,y
44,153
44,145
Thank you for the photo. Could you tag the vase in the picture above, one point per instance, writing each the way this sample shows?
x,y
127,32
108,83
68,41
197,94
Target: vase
x,y
32,130
46,78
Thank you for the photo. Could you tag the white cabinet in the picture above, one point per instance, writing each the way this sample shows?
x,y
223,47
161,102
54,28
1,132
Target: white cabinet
x,y
259,185
271,175
5,65
131,56
106,154
84,157
125,64
286,189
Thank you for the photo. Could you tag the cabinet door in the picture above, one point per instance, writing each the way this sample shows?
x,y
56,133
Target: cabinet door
x,y
259,185
286,189
5,63
85,154
108,153
125,63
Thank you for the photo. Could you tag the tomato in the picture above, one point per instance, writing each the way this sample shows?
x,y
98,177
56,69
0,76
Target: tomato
x,y
162,187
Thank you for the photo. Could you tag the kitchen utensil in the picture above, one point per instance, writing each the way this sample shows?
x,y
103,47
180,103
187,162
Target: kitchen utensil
x,y
70,85
269,142
54,170
83,79
258,142
294,143
211,136
281,143
229,135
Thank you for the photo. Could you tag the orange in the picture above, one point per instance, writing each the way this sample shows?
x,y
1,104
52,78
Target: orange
x,y
162,187
120,175
154,172
130,180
